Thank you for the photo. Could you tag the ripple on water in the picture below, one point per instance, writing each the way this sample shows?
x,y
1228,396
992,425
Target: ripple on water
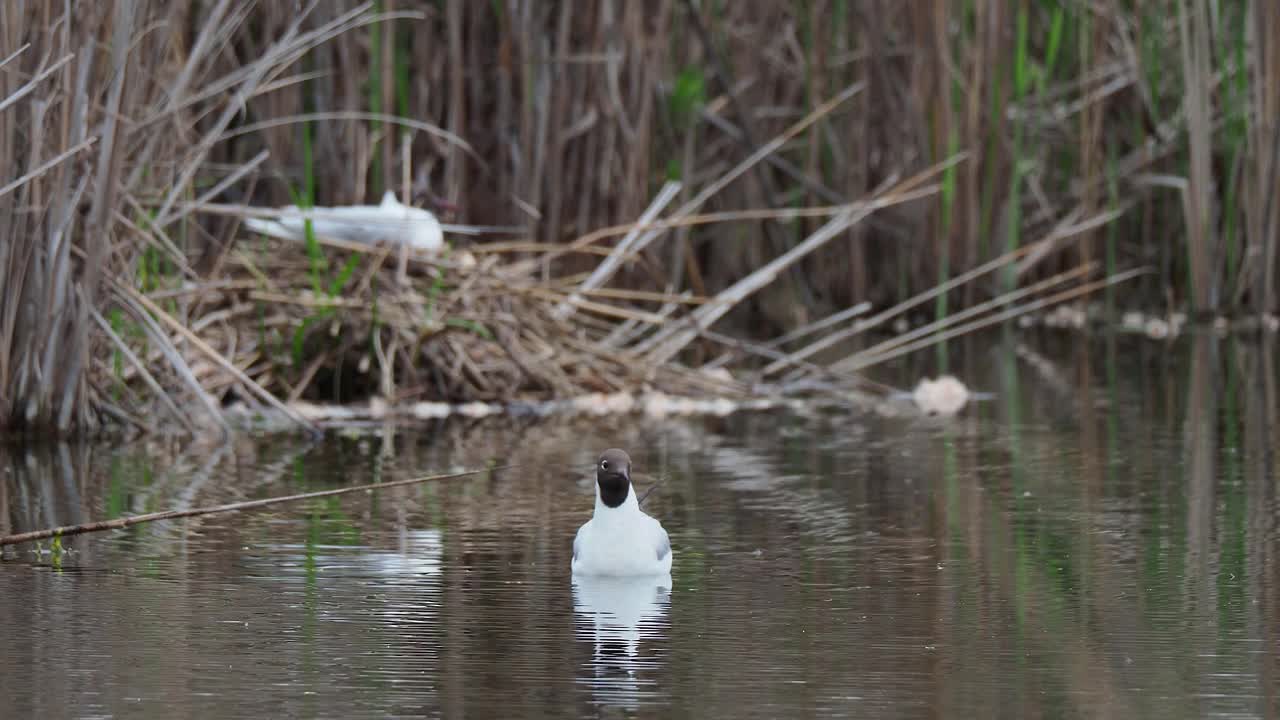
x,y
1024,561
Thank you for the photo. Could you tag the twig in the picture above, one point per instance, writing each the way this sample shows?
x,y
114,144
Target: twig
x,y
600,308
141,367
257,74
869,323
606,269
121,523
33,82
44,168
217,357
859,362
183,209
584,244
720,70
802,331
846,379
949,321
167,348
434,130
766,150
665,346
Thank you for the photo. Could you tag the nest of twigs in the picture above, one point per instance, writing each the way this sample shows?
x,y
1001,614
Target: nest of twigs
x,y
283,323
337,322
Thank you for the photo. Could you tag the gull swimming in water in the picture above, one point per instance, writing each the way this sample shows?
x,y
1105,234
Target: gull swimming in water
x,y
619,539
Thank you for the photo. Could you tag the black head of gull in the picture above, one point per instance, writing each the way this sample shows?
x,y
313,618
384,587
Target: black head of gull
x,y
613,476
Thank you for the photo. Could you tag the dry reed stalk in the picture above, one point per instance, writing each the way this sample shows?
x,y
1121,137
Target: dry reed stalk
x,y
37,172
165,399
642,241
666,344
885,315
140,311
937,326
858,362
606,269
1261,208
1194,38
584,244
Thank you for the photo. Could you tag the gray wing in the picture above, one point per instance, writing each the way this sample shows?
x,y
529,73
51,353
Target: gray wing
x,y
662,543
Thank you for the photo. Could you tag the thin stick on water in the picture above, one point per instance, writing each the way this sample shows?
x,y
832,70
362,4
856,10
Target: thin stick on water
x,y
121,523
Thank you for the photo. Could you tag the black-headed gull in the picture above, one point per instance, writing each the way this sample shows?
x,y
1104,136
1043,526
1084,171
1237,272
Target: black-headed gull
x,y
619,539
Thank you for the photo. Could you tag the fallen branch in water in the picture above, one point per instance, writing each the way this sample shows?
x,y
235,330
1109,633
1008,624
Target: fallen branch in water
x,y
120,523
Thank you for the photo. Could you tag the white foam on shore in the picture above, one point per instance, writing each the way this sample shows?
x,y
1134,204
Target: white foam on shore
x,y
653,405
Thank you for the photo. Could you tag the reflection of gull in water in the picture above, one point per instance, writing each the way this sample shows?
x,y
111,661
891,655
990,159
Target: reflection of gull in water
x,y
402,586
408,579
416,562
615,614
418,555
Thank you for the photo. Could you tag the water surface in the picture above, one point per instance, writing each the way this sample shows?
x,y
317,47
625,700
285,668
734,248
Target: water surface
x,y
1096,541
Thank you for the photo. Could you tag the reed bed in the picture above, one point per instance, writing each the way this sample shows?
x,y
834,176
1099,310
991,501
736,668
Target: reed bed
x,y
684,184
285,328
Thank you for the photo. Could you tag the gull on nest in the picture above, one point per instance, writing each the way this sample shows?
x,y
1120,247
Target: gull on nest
x,y
390,221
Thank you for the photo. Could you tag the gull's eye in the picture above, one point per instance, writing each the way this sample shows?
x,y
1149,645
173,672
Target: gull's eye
x,y
604,464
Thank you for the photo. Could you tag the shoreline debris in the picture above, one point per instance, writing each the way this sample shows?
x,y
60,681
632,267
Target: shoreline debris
x,y
943,397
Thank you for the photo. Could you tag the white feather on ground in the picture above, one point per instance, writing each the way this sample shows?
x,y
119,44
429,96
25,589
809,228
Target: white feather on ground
x,y
390,221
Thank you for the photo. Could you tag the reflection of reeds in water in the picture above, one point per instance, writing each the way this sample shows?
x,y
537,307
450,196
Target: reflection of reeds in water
x,y
1160,558
44,484
123,281
61,484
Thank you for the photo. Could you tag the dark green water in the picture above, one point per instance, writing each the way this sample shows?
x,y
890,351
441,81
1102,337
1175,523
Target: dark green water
x,y
1098,540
